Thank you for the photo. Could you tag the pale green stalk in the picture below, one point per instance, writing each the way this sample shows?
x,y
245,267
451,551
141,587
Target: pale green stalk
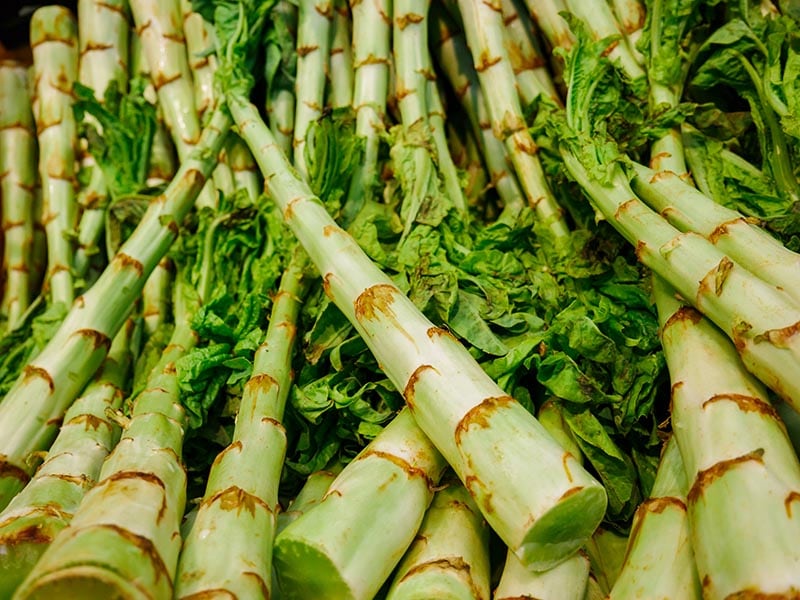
x,y
45,507
245,170
54,41
543,508
314,27
630,16
593,589
156,295
547,15
238,511
340,63
659,561
468,158
17,186
606,552
116,547
163,164
372,20
483,25
450,554
103,36
31,410
567,581
347,545
736,454
454,59
159,24
280,104
527,60
688,209
200,46
202,64
599,20
551,417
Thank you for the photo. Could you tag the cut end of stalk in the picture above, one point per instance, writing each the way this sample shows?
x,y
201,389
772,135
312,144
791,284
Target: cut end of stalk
x,y
559,533
304,571
84,581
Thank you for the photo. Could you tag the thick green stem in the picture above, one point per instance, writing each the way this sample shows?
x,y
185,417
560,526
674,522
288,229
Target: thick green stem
x,y
17,186
115,548
30,412
340,63
736,453
450,554
54,40
567,581
103,34
239,508
45,507
347,545
313,51
483,25
659,561
472,422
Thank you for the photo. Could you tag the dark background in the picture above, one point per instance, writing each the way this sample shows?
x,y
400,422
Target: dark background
x,y
16,17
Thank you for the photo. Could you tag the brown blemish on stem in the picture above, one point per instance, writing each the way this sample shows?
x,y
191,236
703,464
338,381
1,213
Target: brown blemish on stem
x,y
125,261
303,51
715,279
150,478
96,338
570,492
409,391
89,422
479,493
259,581
481,414
787,503
404,21
147,547
11,471
231,448
625,207
410,470
454,564
610,48
659,505
565,463
745,404
486,62
235,498
32,371
375,300
32,534
683,314
213,594
160,80
723,228
778,337
707,476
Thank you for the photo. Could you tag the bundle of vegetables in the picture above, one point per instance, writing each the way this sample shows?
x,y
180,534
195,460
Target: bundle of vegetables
x,y
441,351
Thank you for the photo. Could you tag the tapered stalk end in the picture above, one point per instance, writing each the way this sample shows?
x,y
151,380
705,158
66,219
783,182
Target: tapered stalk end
x,y
327,582
82,582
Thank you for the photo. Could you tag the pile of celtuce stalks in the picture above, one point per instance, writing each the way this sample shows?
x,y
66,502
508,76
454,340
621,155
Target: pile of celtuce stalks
x,y
401,299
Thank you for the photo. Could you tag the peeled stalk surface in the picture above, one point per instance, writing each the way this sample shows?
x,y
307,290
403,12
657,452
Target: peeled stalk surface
x,y
103,35
30,411
348,544
45,507
238,511
115,548
736,453
566,581
483,25
473,423
17,187
54,42
659,561
450,554
314,27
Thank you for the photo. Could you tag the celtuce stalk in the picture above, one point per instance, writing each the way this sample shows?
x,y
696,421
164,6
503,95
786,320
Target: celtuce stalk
x,y
340,65
530,67
547,15
238,511
30,412
201,64
659,561
465,414
606,552
311,494
244,168
456,62
159,25
17,187
347,545
280,104
54,41
630,15
450,554
115,548
314,27
688,209
103,34
483,25
46,506
371,58
156,296
567,581
736,453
